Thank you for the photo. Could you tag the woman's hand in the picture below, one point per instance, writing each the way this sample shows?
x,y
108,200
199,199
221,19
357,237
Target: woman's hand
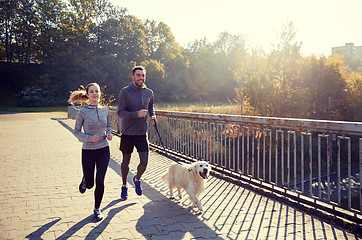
x,y
95,138
109,137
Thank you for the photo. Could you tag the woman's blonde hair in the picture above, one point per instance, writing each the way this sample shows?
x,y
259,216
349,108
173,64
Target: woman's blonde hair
x,y
81,95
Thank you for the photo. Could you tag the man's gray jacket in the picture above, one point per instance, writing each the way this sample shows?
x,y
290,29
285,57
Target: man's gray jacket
x,y
132,99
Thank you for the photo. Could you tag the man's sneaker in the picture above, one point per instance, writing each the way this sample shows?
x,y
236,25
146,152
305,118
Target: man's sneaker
x,y
138,186
82,186
124,194
97,214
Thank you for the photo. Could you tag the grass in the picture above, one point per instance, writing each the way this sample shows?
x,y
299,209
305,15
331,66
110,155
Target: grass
x,y
214,108
8,103
61,109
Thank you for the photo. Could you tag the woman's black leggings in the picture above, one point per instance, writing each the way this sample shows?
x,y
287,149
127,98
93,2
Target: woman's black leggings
x,y
98,158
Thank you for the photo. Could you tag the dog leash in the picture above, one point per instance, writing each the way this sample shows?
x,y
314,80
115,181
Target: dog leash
x,y
158,133
165,151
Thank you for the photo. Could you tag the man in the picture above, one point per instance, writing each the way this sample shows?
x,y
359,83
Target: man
x,y
134,102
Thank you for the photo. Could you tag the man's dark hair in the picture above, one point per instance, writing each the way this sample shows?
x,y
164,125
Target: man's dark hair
x,y
138,68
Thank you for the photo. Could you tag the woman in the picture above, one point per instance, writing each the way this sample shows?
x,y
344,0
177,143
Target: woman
x,y
96,123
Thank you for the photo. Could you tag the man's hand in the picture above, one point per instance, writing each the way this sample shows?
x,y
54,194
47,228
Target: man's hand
x,y
153,120
142,113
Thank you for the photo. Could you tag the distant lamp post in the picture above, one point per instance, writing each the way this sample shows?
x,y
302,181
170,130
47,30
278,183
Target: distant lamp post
x,y
329,108
330,103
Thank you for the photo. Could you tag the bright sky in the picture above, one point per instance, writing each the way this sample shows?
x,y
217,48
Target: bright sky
x,y
319,24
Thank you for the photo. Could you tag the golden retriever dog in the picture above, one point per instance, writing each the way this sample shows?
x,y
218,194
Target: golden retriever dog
x,y
190,177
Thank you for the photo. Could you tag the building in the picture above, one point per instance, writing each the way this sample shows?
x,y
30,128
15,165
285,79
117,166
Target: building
x,y
349,49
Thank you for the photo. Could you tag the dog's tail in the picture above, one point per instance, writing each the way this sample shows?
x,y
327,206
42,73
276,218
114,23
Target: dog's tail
x,y
164,177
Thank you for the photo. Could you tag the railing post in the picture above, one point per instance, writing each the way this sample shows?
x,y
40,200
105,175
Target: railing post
x,y
360,175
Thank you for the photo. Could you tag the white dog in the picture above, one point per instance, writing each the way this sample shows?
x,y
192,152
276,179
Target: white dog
x,y
190,177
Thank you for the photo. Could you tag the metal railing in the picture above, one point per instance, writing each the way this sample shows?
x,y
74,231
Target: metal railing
x,y
321,160
317,160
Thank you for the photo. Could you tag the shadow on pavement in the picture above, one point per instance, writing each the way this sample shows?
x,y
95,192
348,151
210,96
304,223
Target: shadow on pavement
x,y
93,234
90,219
63,124
37,234
164,218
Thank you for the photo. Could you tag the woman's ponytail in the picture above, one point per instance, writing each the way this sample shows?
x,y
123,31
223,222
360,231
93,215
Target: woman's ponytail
x,y
78,96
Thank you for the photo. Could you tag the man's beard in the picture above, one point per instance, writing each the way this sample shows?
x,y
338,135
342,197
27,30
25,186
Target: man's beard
x,y
139,84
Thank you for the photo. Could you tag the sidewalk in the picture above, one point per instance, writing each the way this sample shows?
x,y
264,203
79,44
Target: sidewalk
x,y
41,169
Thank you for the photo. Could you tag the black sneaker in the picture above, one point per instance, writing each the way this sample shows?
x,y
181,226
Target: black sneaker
x,y
97,214
138,186
82,187
124,193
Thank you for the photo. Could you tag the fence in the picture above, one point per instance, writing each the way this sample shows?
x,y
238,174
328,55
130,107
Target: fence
x,y
312,161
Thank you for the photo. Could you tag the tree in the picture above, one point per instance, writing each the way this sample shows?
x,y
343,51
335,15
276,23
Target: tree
x,y
104,11
354,63
8,25
161,42
324,79
124,38
285,59
271,83
257,88
54,30
25,31
353,97
211,66
163,48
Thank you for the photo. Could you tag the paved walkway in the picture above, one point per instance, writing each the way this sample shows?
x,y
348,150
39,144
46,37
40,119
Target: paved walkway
x,y
40,172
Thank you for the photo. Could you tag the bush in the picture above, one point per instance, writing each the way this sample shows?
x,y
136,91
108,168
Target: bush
x,y
36,97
